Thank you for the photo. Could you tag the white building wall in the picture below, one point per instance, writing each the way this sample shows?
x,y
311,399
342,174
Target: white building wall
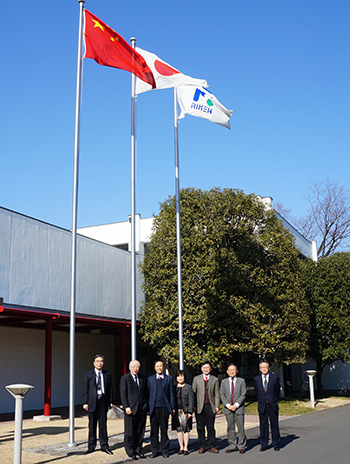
x,y
24,362
335,376
87,346
307,248
119,233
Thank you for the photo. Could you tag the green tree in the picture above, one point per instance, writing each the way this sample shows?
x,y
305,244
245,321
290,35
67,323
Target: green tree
x,y
241,281
328,292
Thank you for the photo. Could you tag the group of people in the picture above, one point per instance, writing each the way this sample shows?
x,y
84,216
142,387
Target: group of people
x,y
161,398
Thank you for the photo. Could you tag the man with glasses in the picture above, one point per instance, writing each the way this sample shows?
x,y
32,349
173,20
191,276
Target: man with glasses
x,y
98,397
267,390
206,388
134,398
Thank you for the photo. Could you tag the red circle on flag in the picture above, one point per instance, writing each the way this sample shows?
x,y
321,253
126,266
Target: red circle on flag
x,y
165,69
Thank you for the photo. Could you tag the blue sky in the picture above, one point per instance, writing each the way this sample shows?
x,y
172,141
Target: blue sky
x,y
282,66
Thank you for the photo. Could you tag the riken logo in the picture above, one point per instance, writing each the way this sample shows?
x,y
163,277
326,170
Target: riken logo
x,y
205,108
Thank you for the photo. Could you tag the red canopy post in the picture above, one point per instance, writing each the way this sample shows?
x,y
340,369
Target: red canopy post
x,y
48,366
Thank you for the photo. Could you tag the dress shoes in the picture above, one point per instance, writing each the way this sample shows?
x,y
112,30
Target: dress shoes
x,y
90,451
165,455
231,450
153,455
134,457
141,455
201,450
214,450
108,451
263,448
276,448
241,451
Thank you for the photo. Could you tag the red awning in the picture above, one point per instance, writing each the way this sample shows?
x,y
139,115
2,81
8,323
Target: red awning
x,y
20,316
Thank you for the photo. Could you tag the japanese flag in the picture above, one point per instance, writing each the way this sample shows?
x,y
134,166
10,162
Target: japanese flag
x,y
165,75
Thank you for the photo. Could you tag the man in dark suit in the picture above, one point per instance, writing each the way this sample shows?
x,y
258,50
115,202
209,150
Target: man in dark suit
x,y
98,396
267,390
161,402
206,387
134,398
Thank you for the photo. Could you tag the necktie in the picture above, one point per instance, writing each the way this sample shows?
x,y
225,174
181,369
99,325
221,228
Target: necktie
x,y
232,390
99,386
206,394
265,383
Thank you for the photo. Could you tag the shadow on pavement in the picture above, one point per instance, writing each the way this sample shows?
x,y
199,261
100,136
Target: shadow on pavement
x,y
285,441
52,430
252,443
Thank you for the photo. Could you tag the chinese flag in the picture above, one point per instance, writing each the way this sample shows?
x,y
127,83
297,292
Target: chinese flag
x,y
108,48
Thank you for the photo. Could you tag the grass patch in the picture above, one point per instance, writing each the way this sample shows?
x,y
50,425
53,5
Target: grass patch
x,y
301,405
287,407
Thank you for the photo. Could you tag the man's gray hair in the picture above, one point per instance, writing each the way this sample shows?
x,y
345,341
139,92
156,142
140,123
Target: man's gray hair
x,y
134,360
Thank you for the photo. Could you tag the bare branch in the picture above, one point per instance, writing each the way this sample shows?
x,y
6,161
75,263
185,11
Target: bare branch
x,y
328,219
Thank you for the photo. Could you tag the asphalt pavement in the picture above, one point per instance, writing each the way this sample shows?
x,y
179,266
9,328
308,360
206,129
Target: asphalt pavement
x,y
321,438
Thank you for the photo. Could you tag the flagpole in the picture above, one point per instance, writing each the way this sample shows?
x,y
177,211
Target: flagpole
x,y
133,252
178,232
74,231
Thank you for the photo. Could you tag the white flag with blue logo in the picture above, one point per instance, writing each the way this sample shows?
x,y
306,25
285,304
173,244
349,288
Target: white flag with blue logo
x,y
199,102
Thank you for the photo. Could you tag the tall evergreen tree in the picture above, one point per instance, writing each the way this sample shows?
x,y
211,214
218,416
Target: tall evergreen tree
x,y
328,285
242,281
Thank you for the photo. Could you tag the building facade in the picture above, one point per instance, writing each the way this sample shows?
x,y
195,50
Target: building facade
x,y
35,279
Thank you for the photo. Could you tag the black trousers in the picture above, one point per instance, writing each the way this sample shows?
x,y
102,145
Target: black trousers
x,y
159,420
264,427
134,429
206,419
100,416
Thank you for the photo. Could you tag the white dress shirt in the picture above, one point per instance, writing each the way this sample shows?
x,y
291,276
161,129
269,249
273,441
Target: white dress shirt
x,y
234,383
102,380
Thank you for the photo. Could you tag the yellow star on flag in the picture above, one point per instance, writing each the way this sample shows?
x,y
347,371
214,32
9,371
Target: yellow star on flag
x,y
110,49
97,24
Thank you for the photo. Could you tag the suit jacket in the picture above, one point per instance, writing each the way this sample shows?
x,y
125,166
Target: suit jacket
x,y
238,395
272,394
90,389
188,405
198,387
188,399
133,396
168,390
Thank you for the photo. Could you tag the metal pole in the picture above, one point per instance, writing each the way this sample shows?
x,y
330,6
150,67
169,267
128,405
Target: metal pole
x,y
178,232
74,231
311,374
18,391
17,452
133,252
